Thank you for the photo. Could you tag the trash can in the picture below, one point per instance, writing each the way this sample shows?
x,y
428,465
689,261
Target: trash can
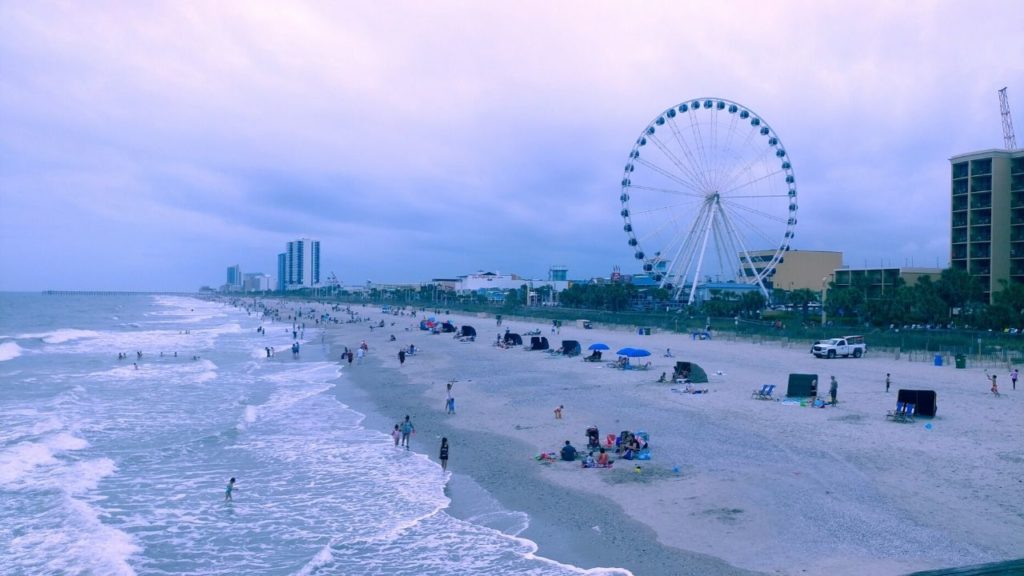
x,y
961,361
938,359
647,331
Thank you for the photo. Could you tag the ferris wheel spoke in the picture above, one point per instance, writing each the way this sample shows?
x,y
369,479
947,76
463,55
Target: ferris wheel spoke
x,y
757,230
739,206
667,191
734,197
754,181
670,175
698,139
687,169
672,222
692,166
747,166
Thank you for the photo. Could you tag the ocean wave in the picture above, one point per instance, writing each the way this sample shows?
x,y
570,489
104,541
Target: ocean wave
x,y
80,544
9,350
19,461
60,336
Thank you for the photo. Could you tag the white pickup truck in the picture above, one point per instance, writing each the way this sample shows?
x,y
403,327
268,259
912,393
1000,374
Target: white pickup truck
x,y
846,346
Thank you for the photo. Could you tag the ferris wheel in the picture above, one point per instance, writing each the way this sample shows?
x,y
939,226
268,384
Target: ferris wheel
x,y
708,195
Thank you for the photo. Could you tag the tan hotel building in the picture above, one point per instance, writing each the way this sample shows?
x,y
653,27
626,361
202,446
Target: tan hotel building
x,y
987,221
798,268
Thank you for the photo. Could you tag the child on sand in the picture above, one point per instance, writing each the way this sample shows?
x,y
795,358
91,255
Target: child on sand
x,y
558,412
396,434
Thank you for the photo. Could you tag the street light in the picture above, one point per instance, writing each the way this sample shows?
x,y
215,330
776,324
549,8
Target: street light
x,y
824,295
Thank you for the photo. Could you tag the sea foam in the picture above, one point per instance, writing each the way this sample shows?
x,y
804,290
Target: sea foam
x,y
9,350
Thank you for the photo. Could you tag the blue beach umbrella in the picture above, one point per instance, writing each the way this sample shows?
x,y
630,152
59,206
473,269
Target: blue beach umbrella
x,y
633,352
598,346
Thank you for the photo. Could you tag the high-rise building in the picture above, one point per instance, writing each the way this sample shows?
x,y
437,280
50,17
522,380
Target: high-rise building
x,y
234,279
987,221
302,268
282,272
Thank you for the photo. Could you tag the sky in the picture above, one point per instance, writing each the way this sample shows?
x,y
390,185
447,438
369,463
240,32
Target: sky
x,y
150,145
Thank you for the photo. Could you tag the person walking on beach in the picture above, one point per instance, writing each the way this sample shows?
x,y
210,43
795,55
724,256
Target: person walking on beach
x,y
558,412
1013,378
443,456
888,381
833,388
396,434
230,488
407,428
401,357
450,405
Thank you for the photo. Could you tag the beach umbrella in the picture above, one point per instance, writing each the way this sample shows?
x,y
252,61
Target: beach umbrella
x,y
598,346
633,352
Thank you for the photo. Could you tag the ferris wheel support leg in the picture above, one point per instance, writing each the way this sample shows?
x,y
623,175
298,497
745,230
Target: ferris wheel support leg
x,y
700,261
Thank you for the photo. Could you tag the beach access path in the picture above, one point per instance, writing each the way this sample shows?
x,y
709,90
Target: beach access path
x,y
734,484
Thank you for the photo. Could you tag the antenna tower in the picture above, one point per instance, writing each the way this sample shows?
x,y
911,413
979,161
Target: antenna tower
x,y
1009,140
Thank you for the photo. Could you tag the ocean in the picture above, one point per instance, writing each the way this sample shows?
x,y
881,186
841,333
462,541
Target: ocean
x,y
115,466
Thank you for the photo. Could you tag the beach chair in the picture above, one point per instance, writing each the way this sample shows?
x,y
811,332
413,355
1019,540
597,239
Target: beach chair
x,y
897,414
768,393
908,412
760,393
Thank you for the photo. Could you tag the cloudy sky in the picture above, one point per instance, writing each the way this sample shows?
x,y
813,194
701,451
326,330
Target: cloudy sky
x,y
148,145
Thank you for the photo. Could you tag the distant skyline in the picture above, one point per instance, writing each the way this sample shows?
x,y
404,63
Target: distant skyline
x,y
148,146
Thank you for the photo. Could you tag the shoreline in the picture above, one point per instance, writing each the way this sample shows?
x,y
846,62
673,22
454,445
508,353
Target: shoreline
x,y
764,487
561,520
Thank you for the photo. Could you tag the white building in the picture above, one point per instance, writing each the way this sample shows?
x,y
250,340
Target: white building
x,y
302,264
256,282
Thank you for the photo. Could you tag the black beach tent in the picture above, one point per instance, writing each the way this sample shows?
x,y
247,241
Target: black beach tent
x,y
513,339
925,401
690,371
539,343
447,327
467,332
802,386
571,348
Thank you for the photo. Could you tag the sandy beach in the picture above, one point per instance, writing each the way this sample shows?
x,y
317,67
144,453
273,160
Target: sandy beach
x,y
735,485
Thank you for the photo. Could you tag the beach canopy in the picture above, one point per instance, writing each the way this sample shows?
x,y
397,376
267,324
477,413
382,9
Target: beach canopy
x,y
570,348
633,352
690,371
447,327
467,331
802,386
925,401
598,346
513,339
539,343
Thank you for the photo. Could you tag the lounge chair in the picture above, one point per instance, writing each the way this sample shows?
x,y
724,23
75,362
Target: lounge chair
x,y
908,412
594,357
760,393
897,414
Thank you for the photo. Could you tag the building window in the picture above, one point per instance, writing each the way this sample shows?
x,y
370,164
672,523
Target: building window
x,y
983,166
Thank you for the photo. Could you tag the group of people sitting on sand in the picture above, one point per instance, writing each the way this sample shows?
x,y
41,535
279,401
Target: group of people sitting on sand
x,y
628,445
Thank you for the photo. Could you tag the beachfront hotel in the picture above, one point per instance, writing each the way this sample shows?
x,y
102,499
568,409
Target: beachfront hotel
x,y
301,265
987,222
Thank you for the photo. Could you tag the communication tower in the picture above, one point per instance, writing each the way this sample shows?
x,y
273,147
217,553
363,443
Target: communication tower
x,y
1009,140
